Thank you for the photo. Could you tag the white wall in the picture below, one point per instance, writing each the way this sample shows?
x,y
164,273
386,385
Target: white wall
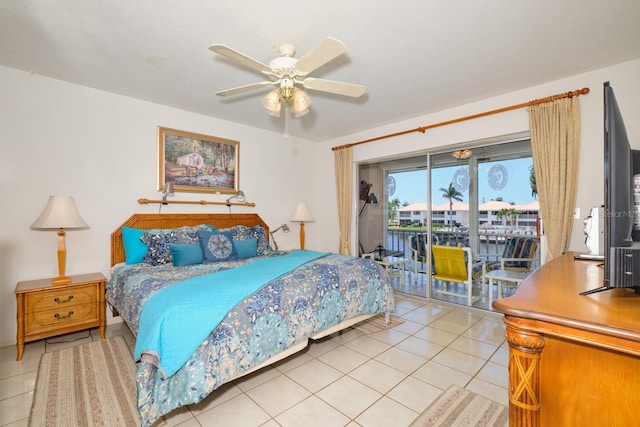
x,y
624,78
101,148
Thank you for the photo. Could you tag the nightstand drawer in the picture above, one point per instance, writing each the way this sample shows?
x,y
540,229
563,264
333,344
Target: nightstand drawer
x,y
60,318
46,309
60,299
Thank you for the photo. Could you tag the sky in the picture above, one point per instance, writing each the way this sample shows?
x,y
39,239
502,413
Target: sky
x,y
513,186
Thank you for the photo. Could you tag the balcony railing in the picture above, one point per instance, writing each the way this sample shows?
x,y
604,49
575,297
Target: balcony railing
x,y
491,244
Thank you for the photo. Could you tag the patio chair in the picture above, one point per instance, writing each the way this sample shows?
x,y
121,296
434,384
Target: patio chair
x,y
454,264
418,254
518,255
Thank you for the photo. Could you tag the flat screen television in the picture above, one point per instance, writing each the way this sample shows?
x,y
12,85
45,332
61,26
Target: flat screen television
x,y
621,252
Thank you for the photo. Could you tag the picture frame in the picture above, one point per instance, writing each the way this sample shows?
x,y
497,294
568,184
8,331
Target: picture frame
x,y
193,162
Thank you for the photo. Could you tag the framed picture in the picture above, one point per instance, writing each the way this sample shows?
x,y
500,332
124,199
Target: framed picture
x,y
197,163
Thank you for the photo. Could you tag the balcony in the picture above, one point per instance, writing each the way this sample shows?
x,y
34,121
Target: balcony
x,y
491,246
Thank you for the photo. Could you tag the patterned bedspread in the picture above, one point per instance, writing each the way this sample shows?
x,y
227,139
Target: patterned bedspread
x,y
282,313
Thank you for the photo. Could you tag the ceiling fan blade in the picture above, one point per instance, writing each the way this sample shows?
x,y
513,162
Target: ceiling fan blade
x,y
341,88
323,52
239,57
242,89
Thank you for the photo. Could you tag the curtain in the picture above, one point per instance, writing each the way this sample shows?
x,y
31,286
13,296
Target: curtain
x,y
555,143
343,160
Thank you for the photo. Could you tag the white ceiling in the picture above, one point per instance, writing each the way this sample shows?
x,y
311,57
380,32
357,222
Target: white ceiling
x,y
415,57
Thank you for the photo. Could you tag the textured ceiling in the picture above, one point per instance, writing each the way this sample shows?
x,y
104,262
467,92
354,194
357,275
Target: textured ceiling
x,y
414,57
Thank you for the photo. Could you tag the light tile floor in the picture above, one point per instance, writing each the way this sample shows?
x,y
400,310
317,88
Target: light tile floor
x,y
416,285
382,379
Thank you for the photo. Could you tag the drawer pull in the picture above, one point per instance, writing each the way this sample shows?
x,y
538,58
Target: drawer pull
x,y
60,317
59,301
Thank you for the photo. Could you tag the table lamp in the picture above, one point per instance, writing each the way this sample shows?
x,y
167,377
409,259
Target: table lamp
x,y
59,213
302,214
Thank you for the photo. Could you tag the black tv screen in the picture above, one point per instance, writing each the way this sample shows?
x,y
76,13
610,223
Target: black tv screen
x,y
621,253
618,180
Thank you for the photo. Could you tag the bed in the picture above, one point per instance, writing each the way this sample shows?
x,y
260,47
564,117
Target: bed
x,y
291,297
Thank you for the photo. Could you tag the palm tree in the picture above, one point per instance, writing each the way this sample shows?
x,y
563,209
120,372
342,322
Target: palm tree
x,y
510,214
451,194
392,206
532,182
502,214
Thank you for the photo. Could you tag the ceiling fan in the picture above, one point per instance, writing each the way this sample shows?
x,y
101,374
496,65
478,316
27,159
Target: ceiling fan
x,y
286,74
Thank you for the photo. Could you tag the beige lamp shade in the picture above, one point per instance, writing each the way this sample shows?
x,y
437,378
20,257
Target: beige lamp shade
x,y
59,212
302,213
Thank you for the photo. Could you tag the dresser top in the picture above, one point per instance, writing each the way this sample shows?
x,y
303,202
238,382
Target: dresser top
x,y
551,294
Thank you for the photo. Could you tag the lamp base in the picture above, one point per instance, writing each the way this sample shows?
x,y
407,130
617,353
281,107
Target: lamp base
x,y
61,280
301,235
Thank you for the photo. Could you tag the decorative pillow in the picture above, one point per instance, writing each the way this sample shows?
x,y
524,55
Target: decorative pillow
x,y
263,240
217,246
134,248
246,248
186,254
242,232
160,240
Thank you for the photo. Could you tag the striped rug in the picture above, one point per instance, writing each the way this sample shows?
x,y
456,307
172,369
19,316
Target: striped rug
x,y
457,407
86,385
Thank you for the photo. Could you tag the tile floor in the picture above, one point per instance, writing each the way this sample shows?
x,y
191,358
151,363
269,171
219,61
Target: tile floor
x,y
417,286
382,379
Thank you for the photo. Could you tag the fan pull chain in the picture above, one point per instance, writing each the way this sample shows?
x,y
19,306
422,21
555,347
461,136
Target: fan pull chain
x,y
286,119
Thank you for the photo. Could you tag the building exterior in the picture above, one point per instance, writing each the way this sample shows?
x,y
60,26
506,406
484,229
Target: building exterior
x,y
415,214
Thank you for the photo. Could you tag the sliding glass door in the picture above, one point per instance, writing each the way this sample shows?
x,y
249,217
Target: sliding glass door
x,y
473,198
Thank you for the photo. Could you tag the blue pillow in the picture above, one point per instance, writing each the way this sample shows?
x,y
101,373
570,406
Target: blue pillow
x,y
242,232
217,246
246,248
134,248
186,254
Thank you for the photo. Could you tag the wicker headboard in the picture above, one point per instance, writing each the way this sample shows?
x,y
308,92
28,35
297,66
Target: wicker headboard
x,y
149,221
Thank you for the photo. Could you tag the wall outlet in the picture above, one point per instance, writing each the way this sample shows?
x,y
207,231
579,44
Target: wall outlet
x,y
576,214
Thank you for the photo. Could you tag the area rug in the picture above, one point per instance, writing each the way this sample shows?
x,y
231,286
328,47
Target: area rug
x,y
377,323
459,407
86,385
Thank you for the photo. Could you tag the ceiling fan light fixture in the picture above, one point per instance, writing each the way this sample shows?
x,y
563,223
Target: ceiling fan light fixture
x,y
287,89
301,103
289,74
271,102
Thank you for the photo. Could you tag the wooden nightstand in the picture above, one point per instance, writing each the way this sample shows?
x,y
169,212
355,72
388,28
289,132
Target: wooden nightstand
x,y
45,310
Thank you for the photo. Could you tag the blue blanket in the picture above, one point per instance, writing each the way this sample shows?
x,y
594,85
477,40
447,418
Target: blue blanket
x,y
177,319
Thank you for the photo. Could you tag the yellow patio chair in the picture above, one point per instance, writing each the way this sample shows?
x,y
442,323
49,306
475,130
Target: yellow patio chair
x,y
454,264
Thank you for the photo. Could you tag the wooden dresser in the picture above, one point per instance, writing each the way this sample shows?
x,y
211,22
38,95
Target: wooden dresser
x,y
573,360
45,310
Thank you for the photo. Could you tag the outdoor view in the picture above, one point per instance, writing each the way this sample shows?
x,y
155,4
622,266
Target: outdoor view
x,y
483,208
505,187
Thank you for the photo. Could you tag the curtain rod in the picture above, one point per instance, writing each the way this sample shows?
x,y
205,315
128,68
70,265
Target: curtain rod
x,y
423,129
195,202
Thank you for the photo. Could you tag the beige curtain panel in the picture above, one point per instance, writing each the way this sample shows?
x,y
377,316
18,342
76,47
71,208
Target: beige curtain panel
x,y
343,161
555,143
